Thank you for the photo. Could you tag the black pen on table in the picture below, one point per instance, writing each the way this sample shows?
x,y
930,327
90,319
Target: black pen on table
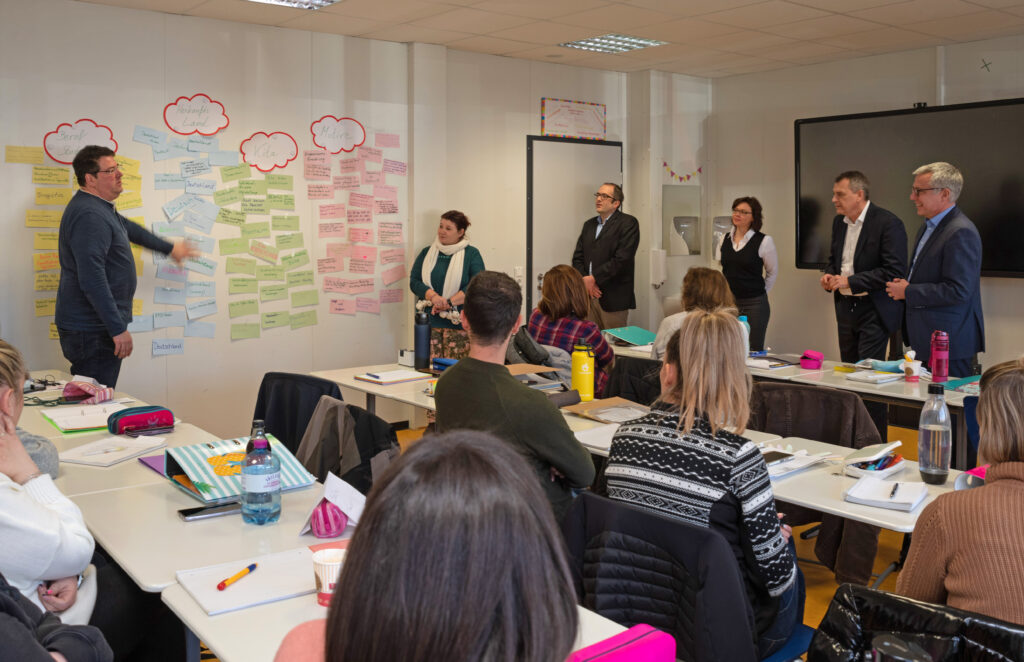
x,y
892,495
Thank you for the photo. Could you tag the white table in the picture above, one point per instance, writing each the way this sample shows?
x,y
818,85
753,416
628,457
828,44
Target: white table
x,y
139,526
32,419
230,636
406,392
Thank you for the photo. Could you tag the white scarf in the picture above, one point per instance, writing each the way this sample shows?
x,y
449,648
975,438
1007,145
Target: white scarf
x,y
453,277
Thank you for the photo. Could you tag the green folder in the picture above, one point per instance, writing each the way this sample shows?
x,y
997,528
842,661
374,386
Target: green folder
x,y
633,335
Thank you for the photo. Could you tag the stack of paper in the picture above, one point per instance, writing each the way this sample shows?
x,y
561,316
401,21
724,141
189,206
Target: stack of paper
x,y
277,577
872,491
112,450
393,376
82,417
797,462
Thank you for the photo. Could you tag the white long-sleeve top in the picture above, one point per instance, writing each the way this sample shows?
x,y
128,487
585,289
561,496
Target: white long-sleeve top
x,y
42,535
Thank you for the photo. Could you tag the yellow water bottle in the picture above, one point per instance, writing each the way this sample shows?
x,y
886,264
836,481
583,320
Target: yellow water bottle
x,y
583,371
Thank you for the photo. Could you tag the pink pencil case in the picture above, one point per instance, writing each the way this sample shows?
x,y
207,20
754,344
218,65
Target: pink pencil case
x,y
640,643
812,360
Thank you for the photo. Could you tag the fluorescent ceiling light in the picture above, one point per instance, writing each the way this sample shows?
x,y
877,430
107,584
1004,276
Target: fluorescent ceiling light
x,y
298,4
613,43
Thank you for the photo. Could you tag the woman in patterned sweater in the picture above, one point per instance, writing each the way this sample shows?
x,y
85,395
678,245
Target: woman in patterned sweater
x,y
679,461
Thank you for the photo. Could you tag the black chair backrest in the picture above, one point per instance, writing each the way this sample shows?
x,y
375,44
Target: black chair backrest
x,y
634,379
857,613
635,566
286,402
374,437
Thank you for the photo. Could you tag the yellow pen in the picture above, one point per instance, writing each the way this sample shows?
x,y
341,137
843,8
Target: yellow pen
x,y
235,577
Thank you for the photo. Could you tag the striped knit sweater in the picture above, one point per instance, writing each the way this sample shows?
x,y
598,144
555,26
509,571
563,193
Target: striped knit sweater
x,y
968,548
720,482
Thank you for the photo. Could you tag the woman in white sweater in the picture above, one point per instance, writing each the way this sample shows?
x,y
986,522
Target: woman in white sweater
x,y
703,288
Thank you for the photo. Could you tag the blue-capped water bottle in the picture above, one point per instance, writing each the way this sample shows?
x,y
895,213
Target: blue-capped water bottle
x,y
261,484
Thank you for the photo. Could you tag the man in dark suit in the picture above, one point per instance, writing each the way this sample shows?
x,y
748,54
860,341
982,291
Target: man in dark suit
x,y
943,289
605,255
869,248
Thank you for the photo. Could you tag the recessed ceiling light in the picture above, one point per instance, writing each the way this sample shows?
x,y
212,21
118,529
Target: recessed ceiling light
x,y
613,43
298,4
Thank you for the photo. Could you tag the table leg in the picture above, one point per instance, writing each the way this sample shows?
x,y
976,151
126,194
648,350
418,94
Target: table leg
x,y
960,442
191,646
895,565
371,403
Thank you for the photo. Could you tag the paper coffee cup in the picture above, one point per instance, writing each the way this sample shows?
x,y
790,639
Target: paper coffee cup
x,y
912,370
326,568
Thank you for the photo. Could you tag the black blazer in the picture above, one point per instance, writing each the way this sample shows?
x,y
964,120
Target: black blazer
x,y
880,256
613,255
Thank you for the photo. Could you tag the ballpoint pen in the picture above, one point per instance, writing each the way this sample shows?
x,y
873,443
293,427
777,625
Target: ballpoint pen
x,y
101,451
235,577
892,495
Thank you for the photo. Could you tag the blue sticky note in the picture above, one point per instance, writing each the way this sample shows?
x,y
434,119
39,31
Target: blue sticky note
x,y
164,181
141,323
169,229
198,143
178,147
200,288
173,208
205,208
226,158
168,346
199,329
170,295
195,167
172,272
204,244
161,152
200,309
198,221
201,265
167,318
200,186
147,136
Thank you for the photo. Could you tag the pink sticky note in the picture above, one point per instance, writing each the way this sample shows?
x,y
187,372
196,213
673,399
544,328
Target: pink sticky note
x,y
385,206
393,274
316,157
394,167
332,230
332,211
333,284
329,265
339,250
372,177
320,191
360,216
363,253
343,307
370,154
364,235
385,192
361,267
391,296
389,233
392,255
313,171
360,200
349,165
385,140
360,285
366,305
346,182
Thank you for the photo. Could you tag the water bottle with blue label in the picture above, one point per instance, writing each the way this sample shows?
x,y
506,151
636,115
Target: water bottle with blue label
x,y
261,485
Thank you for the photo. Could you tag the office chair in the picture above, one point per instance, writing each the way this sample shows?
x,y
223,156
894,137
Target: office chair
x,y
286,402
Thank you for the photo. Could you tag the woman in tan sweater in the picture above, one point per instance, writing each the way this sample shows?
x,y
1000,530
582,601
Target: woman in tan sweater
x,y
966,550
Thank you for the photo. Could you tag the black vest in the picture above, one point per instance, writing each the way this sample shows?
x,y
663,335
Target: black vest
x,y
744,270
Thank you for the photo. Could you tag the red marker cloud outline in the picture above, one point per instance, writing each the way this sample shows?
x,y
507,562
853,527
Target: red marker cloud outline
x,y
84,119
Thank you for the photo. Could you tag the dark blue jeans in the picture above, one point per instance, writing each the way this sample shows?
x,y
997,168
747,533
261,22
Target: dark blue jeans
x,y
790,614
91,354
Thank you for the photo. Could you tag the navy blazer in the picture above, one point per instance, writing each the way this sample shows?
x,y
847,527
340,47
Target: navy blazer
x,y
880,256
945,289
613,256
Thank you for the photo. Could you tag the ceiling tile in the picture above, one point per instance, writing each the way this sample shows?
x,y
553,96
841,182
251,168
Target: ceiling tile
x,y
472,21
168,6
996,4
907,14
488,44
844,6
399,11
543,32
885,40
973,26
539,8
553,54
689,7
762,65
615,18
773,12
246,12
747,41
320,21
408,34
823,28
682,30
801,51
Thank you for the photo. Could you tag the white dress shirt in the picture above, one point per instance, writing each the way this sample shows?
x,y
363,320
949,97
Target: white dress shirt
x,y
853,229
767,254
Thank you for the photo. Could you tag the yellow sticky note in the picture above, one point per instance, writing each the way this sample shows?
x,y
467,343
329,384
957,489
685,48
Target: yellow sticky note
x,y
47,281
136,306
54,335
129,200
45,241
22,154
137,255
51,175
42,218
137,220
53,196
131,182
128,166
45,261
46,307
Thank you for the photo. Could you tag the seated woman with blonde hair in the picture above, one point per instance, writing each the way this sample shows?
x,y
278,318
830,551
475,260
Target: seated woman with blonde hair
x,y
703,288
560,320
457,558
966,549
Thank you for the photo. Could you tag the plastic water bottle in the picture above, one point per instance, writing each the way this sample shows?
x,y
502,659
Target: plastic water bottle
x,y
744,322
934,437
258,431
421,336
939,358
261,485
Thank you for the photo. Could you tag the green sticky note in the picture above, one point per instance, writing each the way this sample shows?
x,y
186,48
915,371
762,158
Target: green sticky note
x,y
243,286
243,307
285,201
273,292
274,320
256,230
304,298
269,272
295,260
286,242
233,246
307,318
234,173
300,278
284,223
253,187
280,182
263,251
227,196
241,265
245,331
230,216
255,206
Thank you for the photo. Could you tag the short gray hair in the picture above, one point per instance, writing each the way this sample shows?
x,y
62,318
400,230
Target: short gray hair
x,y
944,175
858,181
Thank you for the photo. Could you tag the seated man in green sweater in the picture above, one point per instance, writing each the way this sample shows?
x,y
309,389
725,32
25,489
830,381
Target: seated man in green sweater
x,y
479,393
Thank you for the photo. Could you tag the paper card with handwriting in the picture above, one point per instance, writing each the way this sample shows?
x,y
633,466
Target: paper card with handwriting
x,y
168,346
243,308
343,307
141,324
168,318
240,265
201,288
304,319
284,223
200,329
275,320
245,331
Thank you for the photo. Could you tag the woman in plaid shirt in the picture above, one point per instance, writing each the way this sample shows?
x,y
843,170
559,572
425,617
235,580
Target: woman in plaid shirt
x,y
560,320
